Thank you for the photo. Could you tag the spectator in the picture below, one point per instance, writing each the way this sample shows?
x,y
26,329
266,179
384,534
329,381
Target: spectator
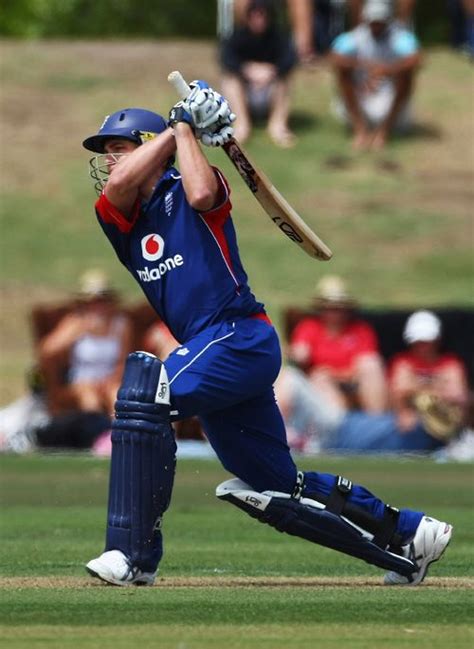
x,y
429,395
20,419
310,418
95,339
158,340
426,385
375,66
429,392
339,351
257,59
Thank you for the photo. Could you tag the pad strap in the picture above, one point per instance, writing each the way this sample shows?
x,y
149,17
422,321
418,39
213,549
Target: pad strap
x,y
384,530
338,496
384,536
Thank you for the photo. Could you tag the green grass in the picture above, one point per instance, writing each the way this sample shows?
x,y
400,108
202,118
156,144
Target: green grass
x,y
225,581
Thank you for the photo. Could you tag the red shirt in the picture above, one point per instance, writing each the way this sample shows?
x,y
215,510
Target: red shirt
x,y
314,346
424,370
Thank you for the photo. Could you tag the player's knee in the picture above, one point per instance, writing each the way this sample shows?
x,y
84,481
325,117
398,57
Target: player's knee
x,y
260,480
144,379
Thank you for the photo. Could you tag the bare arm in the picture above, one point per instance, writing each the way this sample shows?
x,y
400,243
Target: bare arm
x,y
451,384
354,10
62,337
302,19
403,388
344,63
348,63
199,180
134,174
405,10
404,64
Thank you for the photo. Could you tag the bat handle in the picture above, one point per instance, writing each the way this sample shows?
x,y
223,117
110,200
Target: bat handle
x,y
178,82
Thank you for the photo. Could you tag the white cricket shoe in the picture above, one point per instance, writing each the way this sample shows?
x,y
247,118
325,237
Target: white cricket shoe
x,y
114,568
428,544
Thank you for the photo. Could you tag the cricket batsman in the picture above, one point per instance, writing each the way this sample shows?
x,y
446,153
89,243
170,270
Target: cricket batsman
x,y
173,231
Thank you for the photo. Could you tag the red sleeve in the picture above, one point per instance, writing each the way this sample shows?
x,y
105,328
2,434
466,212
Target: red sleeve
x,y
303,332
108,213
452,360
220,212
302,343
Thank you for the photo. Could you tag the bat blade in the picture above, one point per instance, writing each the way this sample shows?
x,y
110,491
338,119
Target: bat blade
x,y
283,215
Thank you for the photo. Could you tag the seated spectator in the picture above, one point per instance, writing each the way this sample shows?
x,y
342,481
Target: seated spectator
x,y
310,418
426,385
159,340
95,339
339,351
256,60
20,419
375,66
429,391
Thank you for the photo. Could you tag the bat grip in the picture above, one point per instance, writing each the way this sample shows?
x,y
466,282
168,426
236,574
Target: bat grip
x,y
178,82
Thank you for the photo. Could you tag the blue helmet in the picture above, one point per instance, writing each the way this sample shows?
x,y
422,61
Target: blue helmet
x,y
135,124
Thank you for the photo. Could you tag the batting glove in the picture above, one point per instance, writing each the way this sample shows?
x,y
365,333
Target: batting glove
x,y
216,138
208,107
180,113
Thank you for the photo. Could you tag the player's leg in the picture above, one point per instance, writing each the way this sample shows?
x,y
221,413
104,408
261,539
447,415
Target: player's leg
x,y
249,437
219,370
322,508
141,475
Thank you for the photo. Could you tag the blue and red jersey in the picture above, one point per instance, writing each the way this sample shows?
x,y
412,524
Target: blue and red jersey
x,y
186,262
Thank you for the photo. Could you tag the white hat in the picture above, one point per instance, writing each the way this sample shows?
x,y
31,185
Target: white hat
x,y
422,326
377,11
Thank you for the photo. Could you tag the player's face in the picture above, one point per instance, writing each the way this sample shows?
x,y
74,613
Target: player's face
x,y
115,149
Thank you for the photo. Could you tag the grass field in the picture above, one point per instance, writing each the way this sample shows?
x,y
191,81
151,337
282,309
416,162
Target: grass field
x,y
225,580
401,232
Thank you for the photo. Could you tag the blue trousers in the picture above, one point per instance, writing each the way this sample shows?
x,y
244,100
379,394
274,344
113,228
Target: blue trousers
x,y
225,376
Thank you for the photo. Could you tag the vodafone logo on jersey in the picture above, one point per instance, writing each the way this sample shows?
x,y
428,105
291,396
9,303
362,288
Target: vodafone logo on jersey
x,y
153,247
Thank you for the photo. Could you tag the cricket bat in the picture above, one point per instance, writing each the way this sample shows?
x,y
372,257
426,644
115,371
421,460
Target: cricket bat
x,y
283,215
